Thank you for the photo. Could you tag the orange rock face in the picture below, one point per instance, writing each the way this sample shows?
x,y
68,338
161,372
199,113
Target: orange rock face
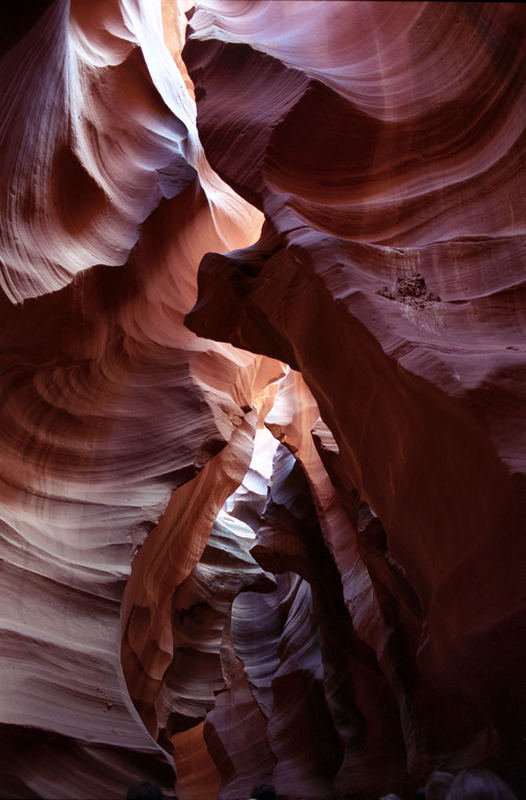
x,y
262,421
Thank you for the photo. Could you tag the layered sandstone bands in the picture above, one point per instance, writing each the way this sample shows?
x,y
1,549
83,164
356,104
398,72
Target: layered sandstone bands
x,y
110,405
351,619
400,301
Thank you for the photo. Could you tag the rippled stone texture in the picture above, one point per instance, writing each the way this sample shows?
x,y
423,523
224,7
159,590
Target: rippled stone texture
x,y
352,617
113,414
385,146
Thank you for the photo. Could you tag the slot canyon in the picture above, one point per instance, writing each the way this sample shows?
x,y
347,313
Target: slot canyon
x,y
263,396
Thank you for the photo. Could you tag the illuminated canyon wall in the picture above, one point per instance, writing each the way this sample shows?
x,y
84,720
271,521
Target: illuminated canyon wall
x,y
263,402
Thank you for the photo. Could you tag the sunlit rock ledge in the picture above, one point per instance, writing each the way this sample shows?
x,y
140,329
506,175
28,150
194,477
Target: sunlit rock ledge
x,y
262,282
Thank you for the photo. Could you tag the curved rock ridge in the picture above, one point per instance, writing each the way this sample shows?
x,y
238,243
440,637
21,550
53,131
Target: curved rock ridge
x,y
110,405
183,582
103,127
388,160
261,522
419,135
205,671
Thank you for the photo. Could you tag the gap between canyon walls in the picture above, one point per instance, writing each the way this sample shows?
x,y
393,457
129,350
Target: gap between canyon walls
x,y
380,278
331,254
227,709
241,629
108,401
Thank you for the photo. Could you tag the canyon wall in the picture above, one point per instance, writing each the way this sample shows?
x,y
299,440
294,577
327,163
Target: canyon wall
x,y
263,398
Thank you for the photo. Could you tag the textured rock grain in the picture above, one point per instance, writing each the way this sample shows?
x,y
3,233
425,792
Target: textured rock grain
x,y
389,273
109,404
308,222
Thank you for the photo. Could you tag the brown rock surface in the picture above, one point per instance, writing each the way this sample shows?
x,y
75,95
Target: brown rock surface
x,y
390,273
109,403
338,610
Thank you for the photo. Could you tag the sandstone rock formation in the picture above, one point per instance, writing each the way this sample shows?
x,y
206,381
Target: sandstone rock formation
x,y
262,420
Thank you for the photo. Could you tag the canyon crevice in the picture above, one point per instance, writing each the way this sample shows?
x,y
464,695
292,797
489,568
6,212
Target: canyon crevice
x,y
263,449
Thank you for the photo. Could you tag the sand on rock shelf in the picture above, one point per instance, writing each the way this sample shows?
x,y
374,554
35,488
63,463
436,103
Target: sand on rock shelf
x,y
263,396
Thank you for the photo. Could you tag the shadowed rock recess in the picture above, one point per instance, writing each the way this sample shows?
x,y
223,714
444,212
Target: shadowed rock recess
x,y
263,396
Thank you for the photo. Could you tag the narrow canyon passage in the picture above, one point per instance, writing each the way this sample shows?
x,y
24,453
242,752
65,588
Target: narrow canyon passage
x,y
262,422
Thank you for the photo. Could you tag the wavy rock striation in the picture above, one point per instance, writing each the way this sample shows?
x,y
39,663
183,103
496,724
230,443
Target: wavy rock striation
x,y
261,522
113,414
388,160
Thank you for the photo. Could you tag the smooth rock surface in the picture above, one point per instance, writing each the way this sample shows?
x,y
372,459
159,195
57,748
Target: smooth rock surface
x,y
109,403
389,169
262,422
